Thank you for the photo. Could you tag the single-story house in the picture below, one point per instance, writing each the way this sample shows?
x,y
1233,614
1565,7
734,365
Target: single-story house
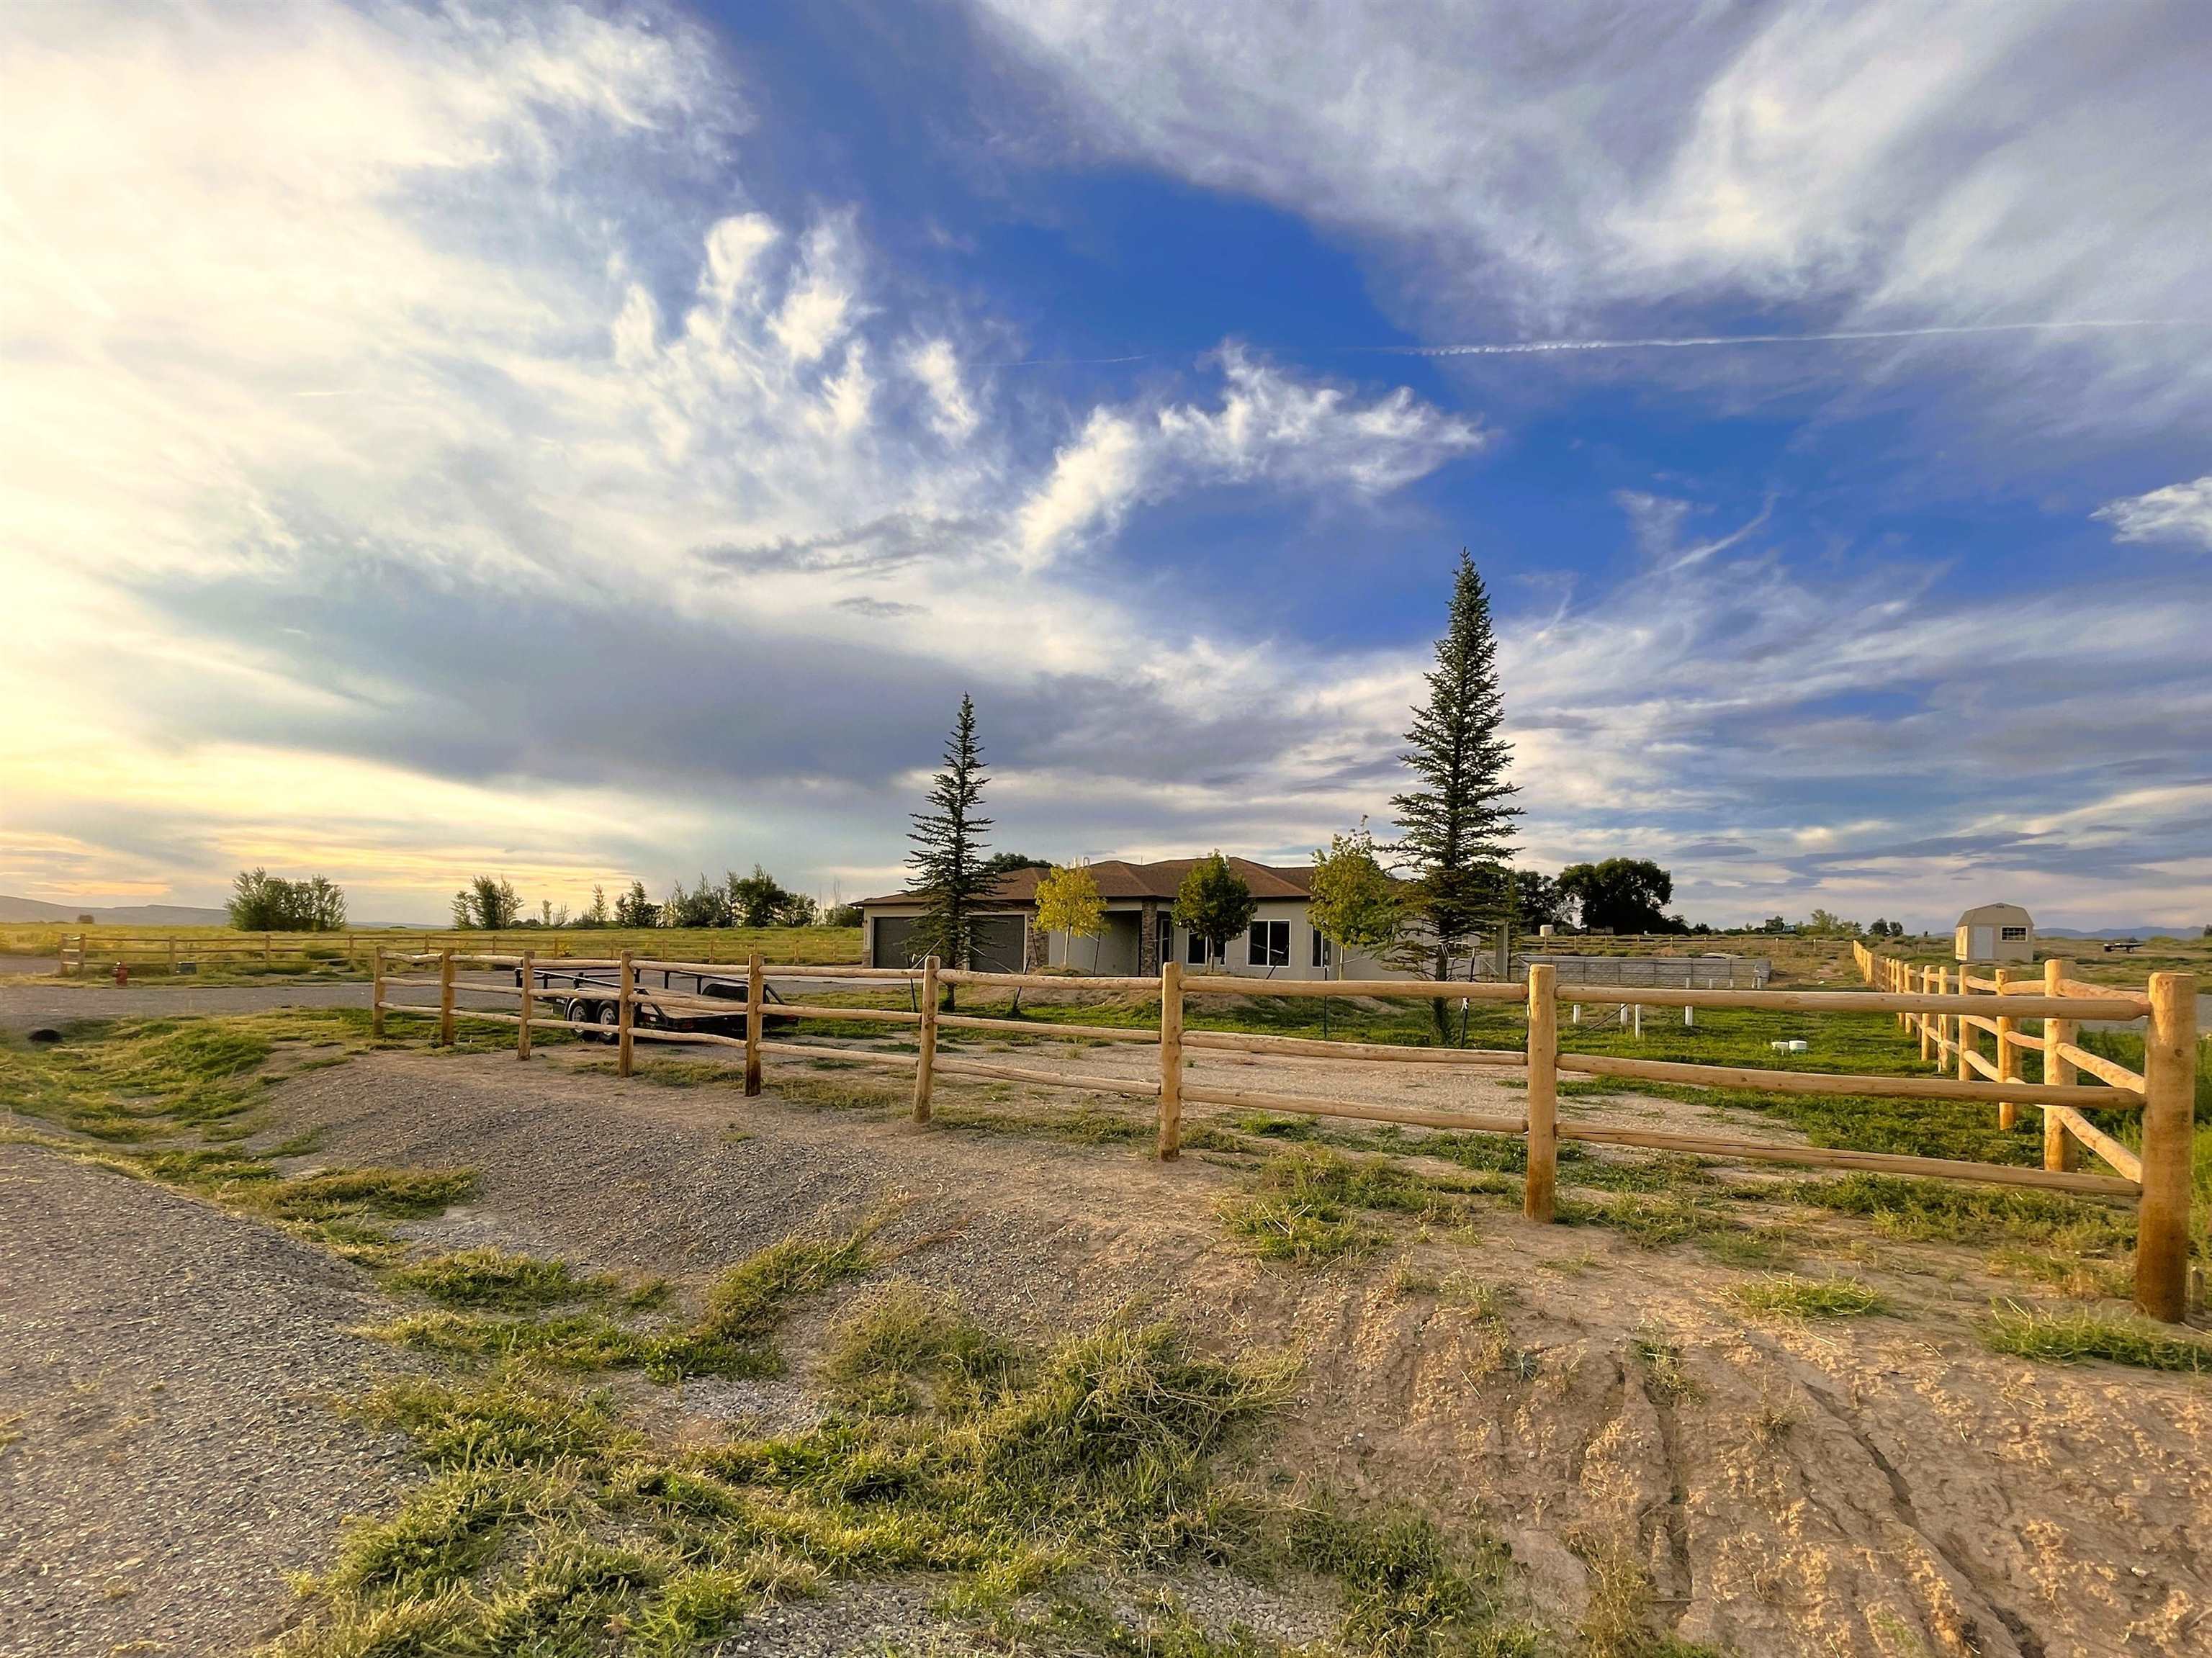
x,y
1995,933
1140,932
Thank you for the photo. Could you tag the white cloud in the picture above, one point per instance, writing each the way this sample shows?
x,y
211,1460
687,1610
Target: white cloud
x,y
937,366
1271,425
2179,512
1094,480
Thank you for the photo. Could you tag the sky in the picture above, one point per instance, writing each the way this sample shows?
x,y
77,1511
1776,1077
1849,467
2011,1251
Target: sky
x,y
584,443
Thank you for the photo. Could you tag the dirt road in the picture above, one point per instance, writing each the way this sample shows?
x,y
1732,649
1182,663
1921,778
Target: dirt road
x,y
170,1453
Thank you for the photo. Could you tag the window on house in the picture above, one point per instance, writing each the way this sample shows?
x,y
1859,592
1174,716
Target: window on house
x,y
1321,956
1163,937
1194,952
1268,943
2012,932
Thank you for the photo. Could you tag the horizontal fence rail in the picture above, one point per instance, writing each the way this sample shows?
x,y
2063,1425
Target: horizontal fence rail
x,y
1948,1013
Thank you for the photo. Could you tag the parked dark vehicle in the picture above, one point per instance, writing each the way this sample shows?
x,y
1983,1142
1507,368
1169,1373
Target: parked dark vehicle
x,y
590,996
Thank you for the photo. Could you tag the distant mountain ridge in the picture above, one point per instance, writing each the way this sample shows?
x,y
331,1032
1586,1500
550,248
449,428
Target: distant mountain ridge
x,y
19,910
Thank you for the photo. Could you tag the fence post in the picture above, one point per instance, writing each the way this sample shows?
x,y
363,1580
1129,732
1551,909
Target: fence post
x,y
172,944
2057,1143
2008,1055
926,1056
2169,1108
756,999
1966,1040
1536,1192
376,994
1170,1144
268,949
522,1008
446,999
626,1016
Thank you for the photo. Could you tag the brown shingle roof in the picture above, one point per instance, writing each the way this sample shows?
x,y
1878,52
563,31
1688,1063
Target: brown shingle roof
x,y
1119,878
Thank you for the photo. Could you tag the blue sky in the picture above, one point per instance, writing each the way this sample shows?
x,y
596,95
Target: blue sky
x,y
594,442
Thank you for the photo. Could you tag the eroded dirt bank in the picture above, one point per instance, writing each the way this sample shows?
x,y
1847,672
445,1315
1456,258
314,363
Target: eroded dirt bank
x,y
1656,1459
1855,1487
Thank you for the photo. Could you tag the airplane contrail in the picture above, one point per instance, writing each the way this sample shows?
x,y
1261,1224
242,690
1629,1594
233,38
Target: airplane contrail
x,y
1675,342
1067,362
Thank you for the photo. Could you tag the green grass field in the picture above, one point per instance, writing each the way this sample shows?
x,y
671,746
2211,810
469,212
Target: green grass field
x,y
242,952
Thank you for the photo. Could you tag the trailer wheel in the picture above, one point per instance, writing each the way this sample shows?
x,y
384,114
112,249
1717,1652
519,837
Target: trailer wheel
x,y
610,1021
581,1013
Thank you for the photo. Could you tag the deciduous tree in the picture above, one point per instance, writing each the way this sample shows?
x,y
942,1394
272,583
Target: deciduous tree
x,y
262,902
1215,902
1068,903
1537,899
1620,894
1355,904
488,902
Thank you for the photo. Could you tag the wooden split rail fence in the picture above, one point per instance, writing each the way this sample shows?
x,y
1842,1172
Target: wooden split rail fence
x,y
2158,1181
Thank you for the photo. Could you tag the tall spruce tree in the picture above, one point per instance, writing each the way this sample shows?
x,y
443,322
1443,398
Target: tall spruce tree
x,y
1456,826
948,860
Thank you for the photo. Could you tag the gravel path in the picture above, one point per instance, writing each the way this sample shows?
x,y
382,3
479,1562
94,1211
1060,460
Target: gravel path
x,y
165,1372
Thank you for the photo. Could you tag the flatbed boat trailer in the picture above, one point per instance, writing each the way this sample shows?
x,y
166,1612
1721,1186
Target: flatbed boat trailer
x,y
593,996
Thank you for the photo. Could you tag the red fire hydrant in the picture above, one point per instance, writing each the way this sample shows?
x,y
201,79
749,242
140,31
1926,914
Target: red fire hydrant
x,y
122,974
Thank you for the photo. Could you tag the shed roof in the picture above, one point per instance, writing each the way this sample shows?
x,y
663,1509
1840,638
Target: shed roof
x,y
1995,915
1118,878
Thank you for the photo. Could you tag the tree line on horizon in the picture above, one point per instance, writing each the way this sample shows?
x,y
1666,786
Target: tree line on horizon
x,y
490,903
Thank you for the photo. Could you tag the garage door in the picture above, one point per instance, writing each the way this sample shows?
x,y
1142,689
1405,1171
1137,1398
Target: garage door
x,y
891,933
997,949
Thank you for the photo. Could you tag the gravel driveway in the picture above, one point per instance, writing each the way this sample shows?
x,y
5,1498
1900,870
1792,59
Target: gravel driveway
x,y
168,1451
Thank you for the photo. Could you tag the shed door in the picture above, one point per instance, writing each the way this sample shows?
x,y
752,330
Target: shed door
x,y
1981,943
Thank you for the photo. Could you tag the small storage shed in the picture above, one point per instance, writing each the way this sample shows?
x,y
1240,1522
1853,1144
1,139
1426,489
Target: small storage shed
x,y
1996,932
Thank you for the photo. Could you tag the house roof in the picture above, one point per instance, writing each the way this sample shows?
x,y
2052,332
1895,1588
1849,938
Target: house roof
x,y
1119,879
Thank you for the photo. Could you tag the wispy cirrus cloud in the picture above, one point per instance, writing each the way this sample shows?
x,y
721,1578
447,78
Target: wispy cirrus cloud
x,y
1890,173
